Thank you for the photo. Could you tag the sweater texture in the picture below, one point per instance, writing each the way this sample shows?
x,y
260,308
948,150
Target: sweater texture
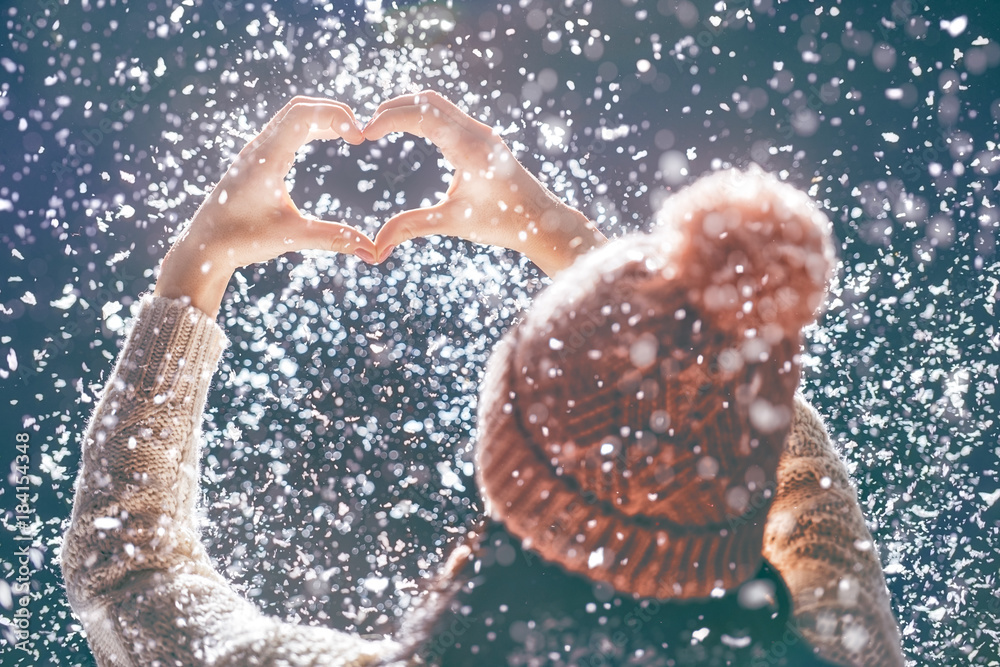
x,y
136,571
138,576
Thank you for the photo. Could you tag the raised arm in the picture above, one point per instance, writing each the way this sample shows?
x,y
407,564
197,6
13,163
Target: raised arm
x,y
815,533
492,199
816,538
135,568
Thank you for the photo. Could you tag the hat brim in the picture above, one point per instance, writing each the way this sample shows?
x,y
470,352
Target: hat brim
x,y
587,536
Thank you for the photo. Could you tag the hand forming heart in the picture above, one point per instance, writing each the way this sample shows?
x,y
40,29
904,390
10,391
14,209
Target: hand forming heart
x,y
249,217
492,199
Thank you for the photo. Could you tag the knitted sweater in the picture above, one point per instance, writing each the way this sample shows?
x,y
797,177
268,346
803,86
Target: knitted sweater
x,y
136,571
815,537
147,593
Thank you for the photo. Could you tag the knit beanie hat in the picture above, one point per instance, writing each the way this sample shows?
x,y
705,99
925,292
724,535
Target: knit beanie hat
x,y
630,427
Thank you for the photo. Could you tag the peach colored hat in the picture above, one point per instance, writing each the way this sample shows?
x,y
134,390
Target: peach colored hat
x,y
630,427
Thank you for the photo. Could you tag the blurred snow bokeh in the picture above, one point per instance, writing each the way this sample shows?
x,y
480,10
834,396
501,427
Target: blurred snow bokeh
x,y
340,428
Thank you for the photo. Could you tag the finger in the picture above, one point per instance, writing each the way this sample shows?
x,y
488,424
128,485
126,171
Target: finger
x,y
332,236
307,121
432,98
423,114
455,143
303,123
272,124
397,119
408,225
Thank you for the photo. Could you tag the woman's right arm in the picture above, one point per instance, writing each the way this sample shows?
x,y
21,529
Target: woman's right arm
x,y
815,534
816,538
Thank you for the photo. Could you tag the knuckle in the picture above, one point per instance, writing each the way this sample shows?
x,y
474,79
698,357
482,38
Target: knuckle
x,y
403,230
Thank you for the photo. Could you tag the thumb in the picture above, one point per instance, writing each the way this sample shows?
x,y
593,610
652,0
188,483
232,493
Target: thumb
x,y
408,225
334,237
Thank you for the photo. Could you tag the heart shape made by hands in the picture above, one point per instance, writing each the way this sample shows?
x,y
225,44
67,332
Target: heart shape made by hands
x,y
491,198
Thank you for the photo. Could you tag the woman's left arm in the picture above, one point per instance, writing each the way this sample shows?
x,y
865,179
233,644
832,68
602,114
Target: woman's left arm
x,y
492,198
135,568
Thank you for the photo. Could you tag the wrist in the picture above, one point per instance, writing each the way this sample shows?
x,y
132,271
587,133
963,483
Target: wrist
x,y
188,271
561,234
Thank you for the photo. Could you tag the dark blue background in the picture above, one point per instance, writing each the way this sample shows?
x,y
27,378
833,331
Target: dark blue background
x,y
912,316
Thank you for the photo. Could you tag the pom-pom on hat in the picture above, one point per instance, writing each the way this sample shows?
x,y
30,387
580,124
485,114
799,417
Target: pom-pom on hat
x,y
630,427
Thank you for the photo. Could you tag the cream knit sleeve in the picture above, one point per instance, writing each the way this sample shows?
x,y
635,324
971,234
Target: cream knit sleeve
x,y
816,537
136,571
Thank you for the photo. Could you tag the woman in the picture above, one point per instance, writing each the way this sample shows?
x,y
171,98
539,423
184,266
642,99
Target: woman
x,y
136,571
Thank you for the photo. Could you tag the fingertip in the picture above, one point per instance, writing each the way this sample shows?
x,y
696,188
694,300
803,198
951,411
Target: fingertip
x,y
350,131
384,255
365,256
373,130
354,138
390,236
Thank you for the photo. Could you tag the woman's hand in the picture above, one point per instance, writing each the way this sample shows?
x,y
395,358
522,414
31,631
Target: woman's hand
x,y
249,216
492,198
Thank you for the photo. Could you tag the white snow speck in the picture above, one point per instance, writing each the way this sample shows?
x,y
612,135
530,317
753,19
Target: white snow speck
x,y
736,642
376,584
990,498
756,594
110,308
894,568
449,478
64,302
924,514
854,637
288,367
643,351
107,523
956,26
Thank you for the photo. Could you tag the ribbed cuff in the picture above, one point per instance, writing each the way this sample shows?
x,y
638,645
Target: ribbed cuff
x,y
153,402
173,347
